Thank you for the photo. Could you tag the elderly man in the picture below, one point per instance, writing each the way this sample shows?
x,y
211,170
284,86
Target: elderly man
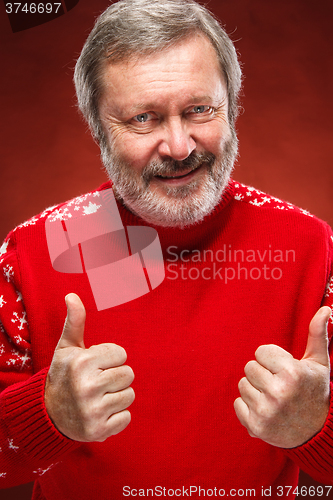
x,y
245,273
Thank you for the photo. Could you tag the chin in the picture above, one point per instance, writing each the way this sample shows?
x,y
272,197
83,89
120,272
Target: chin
x,y
177,207
172,204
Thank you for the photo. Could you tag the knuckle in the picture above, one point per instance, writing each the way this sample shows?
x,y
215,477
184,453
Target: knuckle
x,y
267,351
121,400
290,386
128,374
114,352
265,413
262,350
78,364
94,432
119,352
117,423
242,383
253,427
295,375
85,388
120,421
278,392
92,415
94,423
256,430
261,413
132,393
251,433
121,376
250,367
129,396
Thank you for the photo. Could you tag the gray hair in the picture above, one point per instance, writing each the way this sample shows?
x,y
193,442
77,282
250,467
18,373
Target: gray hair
x,y
142,27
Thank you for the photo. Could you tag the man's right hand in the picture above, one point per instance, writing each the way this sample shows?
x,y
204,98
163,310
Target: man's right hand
x,y
87,391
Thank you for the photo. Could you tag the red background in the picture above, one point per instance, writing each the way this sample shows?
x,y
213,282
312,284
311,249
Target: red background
x,y
285,46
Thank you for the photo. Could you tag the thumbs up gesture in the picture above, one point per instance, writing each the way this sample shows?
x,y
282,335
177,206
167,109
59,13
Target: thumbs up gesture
x,y
87,391
285,401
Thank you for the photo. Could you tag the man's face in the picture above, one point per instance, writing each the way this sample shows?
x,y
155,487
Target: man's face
x,y
170,148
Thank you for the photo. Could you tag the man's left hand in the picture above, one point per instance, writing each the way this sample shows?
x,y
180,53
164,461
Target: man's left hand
x,y
285,401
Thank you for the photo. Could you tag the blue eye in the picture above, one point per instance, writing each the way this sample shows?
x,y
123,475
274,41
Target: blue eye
x,y
142,117
199,109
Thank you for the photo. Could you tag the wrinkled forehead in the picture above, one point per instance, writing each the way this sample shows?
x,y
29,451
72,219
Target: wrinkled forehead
x,y
167,82
131,60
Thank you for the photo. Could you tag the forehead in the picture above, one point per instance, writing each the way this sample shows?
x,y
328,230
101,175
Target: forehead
x,y
189,68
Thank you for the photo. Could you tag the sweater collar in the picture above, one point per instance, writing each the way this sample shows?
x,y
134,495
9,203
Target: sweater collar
x,y
195,236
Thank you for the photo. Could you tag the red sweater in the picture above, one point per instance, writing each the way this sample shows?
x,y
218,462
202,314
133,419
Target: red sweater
x,y
253,272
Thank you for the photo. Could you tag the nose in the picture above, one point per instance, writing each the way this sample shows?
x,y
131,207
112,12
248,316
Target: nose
x,y
176,142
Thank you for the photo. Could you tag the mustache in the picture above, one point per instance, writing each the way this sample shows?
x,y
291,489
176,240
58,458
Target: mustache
x,y
169,167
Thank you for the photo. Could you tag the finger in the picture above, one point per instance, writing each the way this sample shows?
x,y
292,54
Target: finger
x,y
317,345
115,379
105,356
273,358
258,376
118,401
243,414
249,394
112,426
242,411
118,422
73,332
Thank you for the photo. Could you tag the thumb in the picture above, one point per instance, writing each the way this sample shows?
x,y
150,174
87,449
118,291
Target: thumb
x,y
73,332
317,346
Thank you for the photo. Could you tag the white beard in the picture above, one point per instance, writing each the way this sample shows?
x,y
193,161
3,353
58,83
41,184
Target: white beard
x,y
178,206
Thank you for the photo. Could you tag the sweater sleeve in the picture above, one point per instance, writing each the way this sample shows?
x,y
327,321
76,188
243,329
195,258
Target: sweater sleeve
x,y
315,457
29,443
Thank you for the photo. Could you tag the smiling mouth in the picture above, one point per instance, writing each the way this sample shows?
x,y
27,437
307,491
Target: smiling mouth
x,y
180,176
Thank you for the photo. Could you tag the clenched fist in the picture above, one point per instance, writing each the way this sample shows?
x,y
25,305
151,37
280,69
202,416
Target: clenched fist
x,y
285,401
87,391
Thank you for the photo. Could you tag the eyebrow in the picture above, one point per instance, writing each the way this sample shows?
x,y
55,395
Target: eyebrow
x,y
151,105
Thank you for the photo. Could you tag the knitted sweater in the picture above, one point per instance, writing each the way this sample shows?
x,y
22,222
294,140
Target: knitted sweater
x,y
253,272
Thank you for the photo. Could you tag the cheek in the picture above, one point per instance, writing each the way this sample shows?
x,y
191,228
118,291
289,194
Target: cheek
x,y
212,139
137,150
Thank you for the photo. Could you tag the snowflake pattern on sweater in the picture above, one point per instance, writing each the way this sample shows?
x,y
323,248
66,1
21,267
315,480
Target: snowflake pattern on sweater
x,y
78,205
258,198
15,349
15,352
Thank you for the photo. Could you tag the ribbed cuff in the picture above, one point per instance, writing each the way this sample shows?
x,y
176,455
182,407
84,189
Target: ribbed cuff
x,y
315,457
28,424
